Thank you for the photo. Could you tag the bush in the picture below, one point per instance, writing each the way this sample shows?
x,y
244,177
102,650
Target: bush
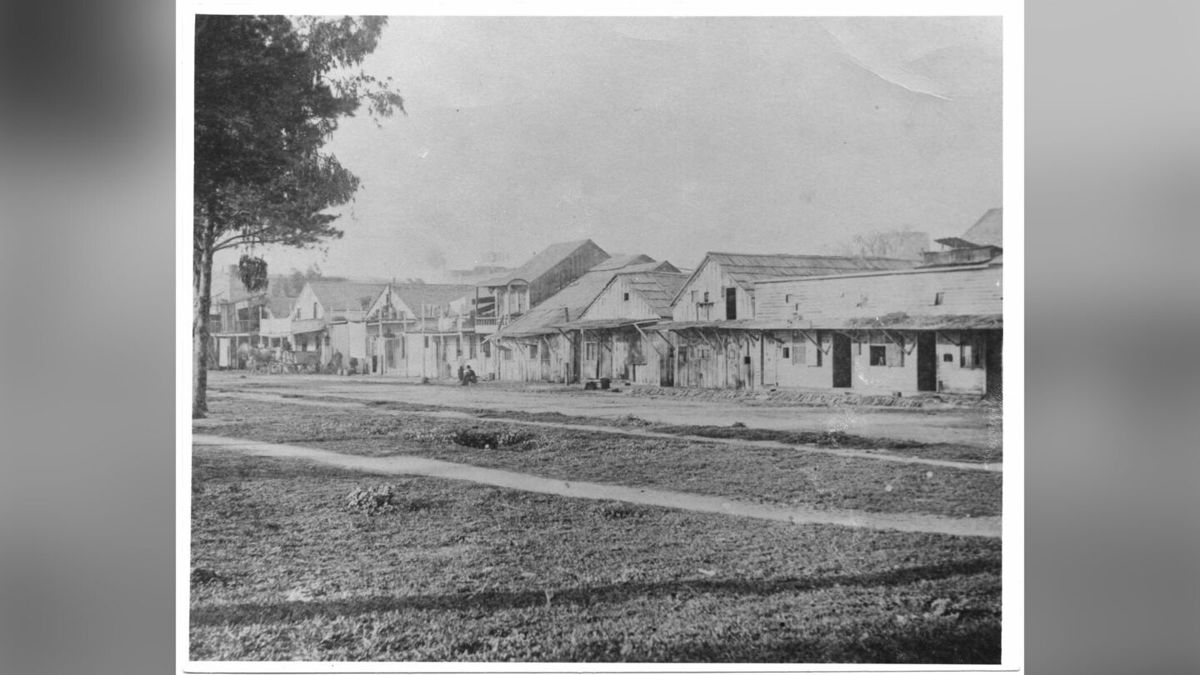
x,y
489,440
373,500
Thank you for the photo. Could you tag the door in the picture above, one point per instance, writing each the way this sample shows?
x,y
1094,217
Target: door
x,y
926,362
992,355
666,368
770,361
841,361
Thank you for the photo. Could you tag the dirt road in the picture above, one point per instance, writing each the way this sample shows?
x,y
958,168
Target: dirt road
x,y
967,426
906,522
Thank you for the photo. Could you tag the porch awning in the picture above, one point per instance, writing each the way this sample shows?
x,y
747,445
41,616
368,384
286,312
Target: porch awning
x,y
300,326
595,324
735,324
902,321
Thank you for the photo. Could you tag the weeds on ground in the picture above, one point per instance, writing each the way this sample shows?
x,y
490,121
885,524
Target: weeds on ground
x,y
486,574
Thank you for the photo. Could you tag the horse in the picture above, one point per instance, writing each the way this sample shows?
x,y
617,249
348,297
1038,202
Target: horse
x,y
257,359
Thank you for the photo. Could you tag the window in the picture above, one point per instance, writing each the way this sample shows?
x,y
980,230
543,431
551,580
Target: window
x,y
487,350
533,351
507,354
971,352
626,296
314,310
938,297
589,351
787,352
878,355
948,357
730,303
426,342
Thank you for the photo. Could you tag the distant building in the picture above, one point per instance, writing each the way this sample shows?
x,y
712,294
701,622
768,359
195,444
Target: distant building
x,y
534,347
504,298
616,332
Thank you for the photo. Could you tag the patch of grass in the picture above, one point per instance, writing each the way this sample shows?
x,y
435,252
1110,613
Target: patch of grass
x,y
777,476
486,574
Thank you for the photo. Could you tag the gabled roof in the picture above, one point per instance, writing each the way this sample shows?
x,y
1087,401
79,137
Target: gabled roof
x,y
541,263
280,306
620,260
747,268
353,295
415,295
657,287
987,231
569,303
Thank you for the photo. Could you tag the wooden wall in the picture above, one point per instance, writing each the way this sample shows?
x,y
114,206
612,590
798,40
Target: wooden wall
x,y
611,303
963,291
711,278
567,270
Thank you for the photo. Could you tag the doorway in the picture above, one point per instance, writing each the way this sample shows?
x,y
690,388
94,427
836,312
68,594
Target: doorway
x,y
992,361
841,361
926,362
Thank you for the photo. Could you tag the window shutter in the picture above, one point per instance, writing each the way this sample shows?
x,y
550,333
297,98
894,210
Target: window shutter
x,y
895,355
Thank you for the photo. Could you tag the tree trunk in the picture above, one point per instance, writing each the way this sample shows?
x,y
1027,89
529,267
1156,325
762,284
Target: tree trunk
x,y
202,258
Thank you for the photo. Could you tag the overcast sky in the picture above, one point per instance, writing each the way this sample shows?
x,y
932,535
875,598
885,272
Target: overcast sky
x,y
669,137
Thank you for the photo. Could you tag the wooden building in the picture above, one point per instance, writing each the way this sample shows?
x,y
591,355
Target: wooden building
x,y
716,332
533,347
930,329
616,331
322,304
503,299
420,330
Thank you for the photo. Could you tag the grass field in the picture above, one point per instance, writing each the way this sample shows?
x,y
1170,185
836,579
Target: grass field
x,y
292,561
778,476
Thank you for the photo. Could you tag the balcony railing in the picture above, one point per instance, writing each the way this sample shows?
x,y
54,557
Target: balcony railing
x,y
238,326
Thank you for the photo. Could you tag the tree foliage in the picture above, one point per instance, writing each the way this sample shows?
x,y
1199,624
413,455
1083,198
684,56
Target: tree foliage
x,y
269,93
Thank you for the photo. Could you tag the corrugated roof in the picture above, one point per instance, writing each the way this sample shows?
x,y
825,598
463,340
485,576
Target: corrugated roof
x,y
569,303
337,295
747,268
540,263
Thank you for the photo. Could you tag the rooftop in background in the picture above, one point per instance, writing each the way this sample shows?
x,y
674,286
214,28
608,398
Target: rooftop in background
x,y
353,295
539,264
569,303
747,268
981,242
658,288
418,295
987,231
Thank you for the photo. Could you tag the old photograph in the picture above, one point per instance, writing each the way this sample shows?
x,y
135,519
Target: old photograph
x,y
589,340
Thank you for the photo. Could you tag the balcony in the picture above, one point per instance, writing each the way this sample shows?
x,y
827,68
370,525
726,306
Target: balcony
x,y
486,325
241,326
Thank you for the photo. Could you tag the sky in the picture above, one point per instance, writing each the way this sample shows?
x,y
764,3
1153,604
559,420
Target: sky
x,y
664,136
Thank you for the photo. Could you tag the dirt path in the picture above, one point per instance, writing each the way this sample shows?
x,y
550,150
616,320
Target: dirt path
x,y
979,527
967,427
881,455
